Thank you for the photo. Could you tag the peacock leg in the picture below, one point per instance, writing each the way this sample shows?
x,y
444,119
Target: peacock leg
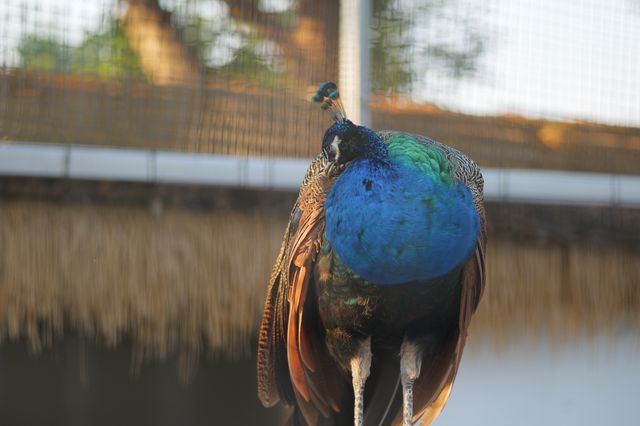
x,y
410,361
360,367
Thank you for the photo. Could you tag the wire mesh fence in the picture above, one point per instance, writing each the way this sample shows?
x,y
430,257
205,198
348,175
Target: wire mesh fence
x,y
557,78
233,76
558,60
224,77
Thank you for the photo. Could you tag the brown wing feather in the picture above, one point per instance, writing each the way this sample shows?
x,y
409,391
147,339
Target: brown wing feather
x,y
269,339
317,393
291,327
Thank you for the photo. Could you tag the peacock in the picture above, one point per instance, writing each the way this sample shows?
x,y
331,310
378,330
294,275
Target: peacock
x,y
380,270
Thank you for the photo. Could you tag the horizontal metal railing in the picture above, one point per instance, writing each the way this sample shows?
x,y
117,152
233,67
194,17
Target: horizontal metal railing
x,y
134,165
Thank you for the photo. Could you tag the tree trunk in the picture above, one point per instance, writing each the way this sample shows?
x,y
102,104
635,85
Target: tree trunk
x,y
310,48
164,58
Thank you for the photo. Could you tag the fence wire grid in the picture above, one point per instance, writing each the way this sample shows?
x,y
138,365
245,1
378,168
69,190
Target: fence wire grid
x,y
541,84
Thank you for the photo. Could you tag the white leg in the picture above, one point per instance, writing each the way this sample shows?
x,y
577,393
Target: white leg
x,y
360,367
410,361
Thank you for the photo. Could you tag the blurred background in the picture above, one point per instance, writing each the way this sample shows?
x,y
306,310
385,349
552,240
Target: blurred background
x,y
150,152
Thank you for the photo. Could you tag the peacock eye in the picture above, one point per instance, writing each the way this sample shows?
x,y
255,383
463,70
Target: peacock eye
x,y
334,149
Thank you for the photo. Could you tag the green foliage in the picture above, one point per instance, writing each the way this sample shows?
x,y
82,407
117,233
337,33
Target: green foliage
x,y
247,63
391,68
106,54
227,47
211,40
42,54
400,56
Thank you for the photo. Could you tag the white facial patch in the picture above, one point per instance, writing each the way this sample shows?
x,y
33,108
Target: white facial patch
x,y
335,145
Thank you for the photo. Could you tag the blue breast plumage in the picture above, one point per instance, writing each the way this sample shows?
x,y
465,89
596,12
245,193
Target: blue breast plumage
x,y
403,220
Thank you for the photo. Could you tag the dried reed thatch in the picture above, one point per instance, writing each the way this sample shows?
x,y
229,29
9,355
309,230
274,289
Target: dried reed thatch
x,y
195,279
180,279
553,290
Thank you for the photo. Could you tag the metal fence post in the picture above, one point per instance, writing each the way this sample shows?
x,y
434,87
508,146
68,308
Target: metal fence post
x,y
354,59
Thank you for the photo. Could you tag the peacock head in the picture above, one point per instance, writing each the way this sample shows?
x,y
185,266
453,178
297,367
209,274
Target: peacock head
x,y
344,141
341,142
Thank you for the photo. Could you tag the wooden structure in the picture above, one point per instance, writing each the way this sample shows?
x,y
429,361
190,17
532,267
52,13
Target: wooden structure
x,y
236,118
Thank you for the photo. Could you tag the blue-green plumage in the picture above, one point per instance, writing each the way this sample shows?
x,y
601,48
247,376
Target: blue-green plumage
x,y
395,218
